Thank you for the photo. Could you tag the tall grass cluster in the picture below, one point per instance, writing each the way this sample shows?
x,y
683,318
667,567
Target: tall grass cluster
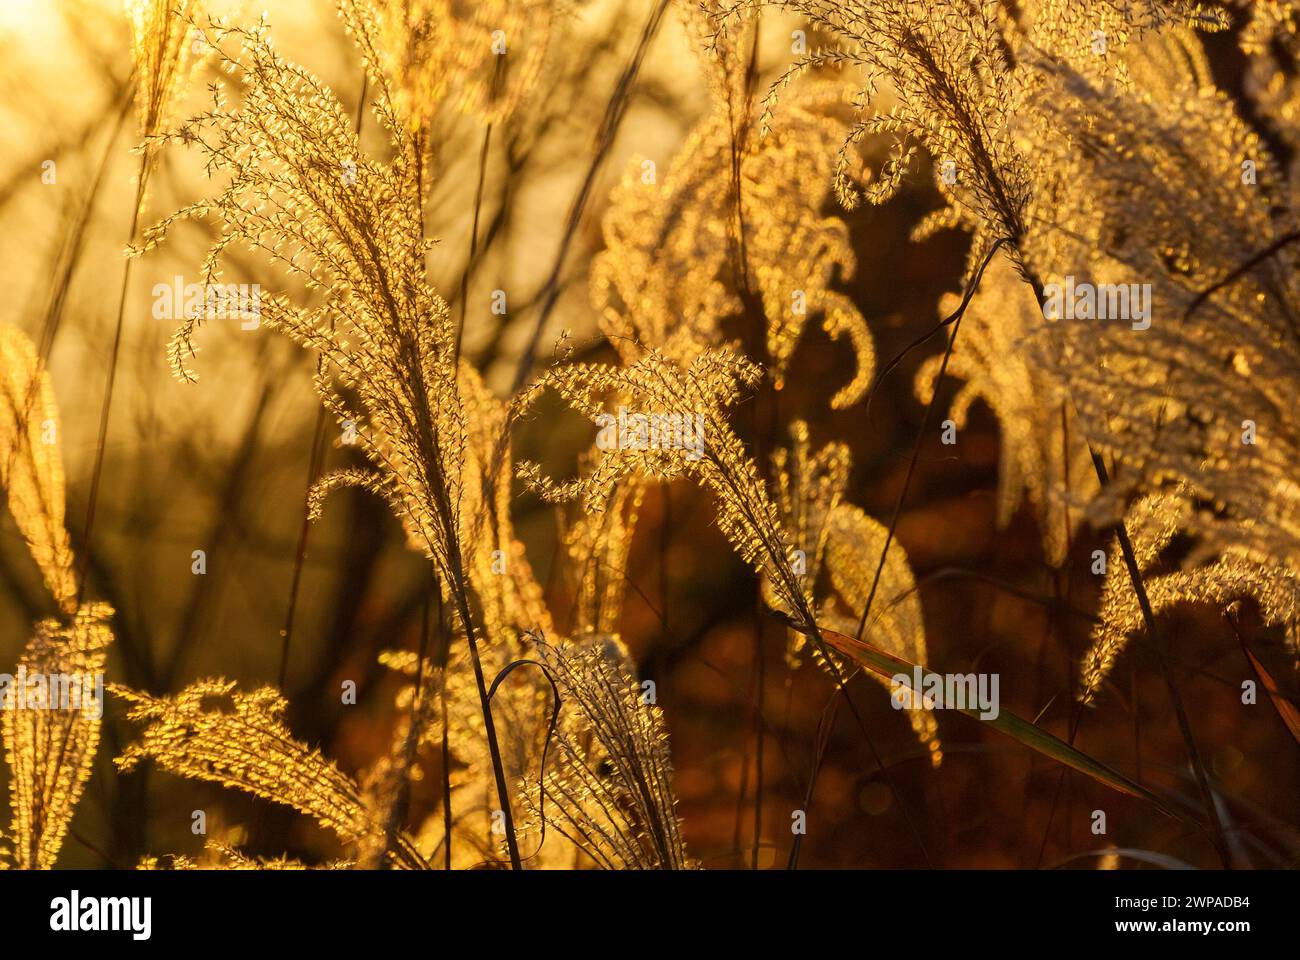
x,y
562,396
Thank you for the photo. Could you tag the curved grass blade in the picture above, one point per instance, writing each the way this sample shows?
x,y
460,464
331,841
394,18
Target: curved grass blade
x,y
1161,860
1035,738
1286,709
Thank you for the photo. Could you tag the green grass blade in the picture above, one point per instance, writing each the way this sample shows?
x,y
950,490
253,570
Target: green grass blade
x,y
1035,738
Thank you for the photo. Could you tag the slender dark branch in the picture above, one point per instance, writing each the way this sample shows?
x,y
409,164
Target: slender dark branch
x,y
955,321
1154,634
106,404
946,322
1184,725
72,255
478,207
1240,271
614,112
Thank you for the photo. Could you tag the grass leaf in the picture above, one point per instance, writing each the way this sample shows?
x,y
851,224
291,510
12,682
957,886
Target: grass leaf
x,y
1035,738
1285,708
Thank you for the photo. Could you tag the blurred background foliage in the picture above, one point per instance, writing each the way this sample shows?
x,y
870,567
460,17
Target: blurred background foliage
x,y
222,466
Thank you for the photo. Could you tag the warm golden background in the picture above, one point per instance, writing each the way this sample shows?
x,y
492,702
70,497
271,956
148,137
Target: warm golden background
x,y
222,465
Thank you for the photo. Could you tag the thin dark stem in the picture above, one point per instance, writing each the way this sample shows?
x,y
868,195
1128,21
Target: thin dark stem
x,y
614,112
1166,670
1148,614
824,727
1241,271
315,462
106,405
60,287
498,769
955,321
478,206
445,657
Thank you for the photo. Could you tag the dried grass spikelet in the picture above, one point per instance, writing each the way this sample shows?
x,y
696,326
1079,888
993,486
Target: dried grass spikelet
x,y
302,193
668,278
1270,38
31,469
520,707
509,595
795,253
49,747
223,856
162,47
792,253
51,750
482,57
299,191
1092,34
853,546
350,227
964,78
655,385
1172,401
509,602
1043,458
808,487
1152,523
1055,160
955,94
608,789
212,732
658,283
958,93
1070,230
597,545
